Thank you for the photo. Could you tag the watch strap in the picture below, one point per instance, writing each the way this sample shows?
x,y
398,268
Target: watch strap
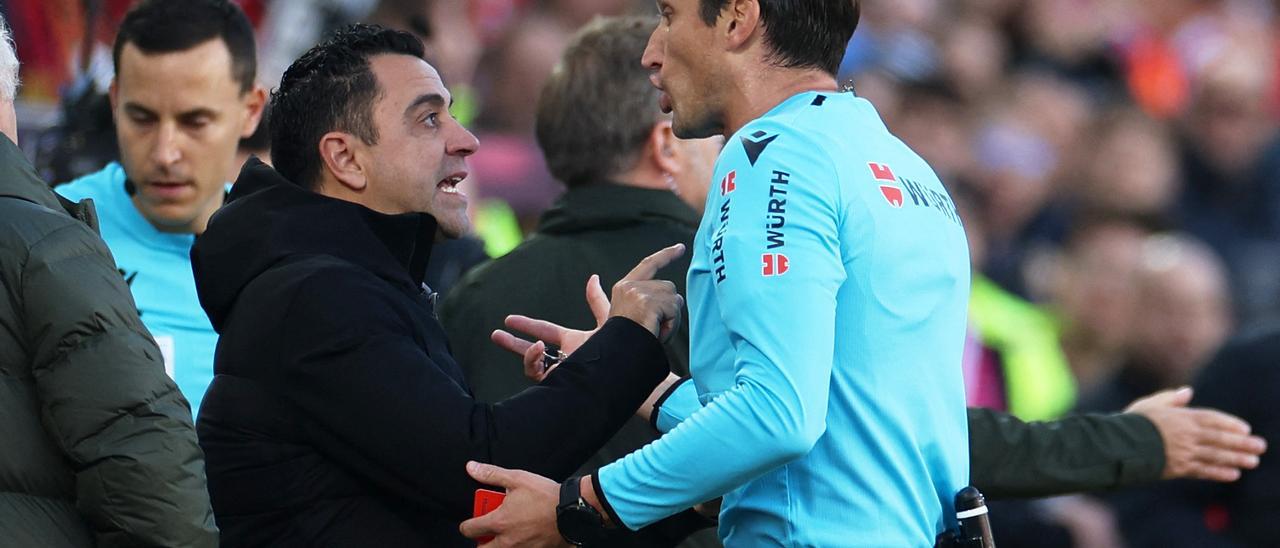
x,y
570,492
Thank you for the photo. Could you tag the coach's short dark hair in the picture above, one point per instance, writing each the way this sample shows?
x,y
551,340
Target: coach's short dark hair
x,y
166,26
802,33
330,88
597,107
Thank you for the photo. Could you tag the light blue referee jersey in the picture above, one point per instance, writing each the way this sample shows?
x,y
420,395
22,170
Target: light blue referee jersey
x,y
157,267
827,300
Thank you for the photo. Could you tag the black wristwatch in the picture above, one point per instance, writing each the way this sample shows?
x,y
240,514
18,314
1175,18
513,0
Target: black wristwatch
x,y
579,523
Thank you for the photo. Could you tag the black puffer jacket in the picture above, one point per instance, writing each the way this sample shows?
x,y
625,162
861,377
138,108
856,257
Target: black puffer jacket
x,y
337,416
96,443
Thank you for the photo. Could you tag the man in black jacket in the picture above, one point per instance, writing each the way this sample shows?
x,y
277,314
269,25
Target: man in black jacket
x,y
337,415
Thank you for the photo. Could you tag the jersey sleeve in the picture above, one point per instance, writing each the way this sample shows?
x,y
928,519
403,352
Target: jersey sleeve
x,y
777,299
675,406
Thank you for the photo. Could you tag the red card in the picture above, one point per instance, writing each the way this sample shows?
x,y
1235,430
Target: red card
x,y
487,501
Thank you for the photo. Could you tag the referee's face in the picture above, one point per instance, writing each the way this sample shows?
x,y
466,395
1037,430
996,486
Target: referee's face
x,y
680,54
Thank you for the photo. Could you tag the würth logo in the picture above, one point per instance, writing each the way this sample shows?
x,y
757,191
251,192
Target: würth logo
x,y
888,185
882,172
892,194
775,264
728,183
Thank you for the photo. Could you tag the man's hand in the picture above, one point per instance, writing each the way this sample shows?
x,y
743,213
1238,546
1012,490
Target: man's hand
x,y
651,303
1199,443
527,517
567,339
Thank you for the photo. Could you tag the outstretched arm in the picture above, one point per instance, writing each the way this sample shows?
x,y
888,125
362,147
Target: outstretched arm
x,y
1157,437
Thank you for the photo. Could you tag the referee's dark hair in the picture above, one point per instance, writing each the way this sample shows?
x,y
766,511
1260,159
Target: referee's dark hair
x,y
597,108
802,33
330,88
166,26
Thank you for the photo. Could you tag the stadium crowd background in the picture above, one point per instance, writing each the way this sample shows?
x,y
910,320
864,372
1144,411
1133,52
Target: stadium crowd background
x,y
1116,162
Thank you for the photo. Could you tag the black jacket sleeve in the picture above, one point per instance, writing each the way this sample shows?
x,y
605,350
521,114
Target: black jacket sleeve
x,y
106,402
1012,458
383,407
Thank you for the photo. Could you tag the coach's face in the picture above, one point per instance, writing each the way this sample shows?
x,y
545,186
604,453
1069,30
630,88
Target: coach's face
x,y
683,55
420,156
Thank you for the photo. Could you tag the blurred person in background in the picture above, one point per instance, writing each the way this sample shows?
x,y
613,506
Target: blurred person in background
x,y
1055,108
897,40
1183,315
1014,165
1231,164
1094,295
1024,153
1129,167
1071,39
184,96
974,56
509,167
99,449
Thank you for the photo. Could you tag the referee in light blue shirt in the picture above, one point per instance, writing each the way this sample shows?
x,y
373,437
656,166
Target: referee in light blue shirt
x,y
828,298
184,95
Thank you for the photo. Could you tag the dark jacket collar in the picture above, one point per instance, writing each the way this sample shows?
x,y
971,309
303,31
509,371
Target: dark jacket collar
x,y
603,205
268,219
18,179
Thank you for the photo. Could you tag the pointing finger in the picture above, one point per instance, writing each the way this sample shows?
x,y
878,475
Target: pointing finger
x,y
649,266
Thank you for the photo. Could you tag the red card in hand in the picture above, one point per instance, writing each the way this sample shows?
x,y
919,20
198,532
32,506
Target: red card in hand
x,y
487,501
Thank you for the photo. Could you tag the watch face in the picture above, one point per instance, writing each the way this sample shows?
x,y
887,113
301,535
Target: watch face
x,y
579,523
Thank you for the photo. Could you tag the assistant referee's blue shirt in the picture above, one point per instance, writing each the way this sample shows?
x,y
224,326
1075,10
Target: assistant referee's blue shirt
x,y
827,299
157,267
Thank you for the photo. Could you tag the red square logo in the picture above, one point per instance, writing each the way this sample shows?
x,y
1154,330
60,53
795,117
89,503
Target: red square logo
x,y
775,264
728,183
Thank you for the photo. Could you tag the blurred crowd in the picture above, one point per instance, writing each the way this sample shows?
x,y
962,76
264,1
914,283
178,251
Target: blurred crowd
x,y
1116,162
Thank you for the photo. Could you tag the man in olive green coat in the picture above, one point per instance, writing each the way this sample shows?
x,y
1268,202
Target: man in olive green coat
x,y
97,447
